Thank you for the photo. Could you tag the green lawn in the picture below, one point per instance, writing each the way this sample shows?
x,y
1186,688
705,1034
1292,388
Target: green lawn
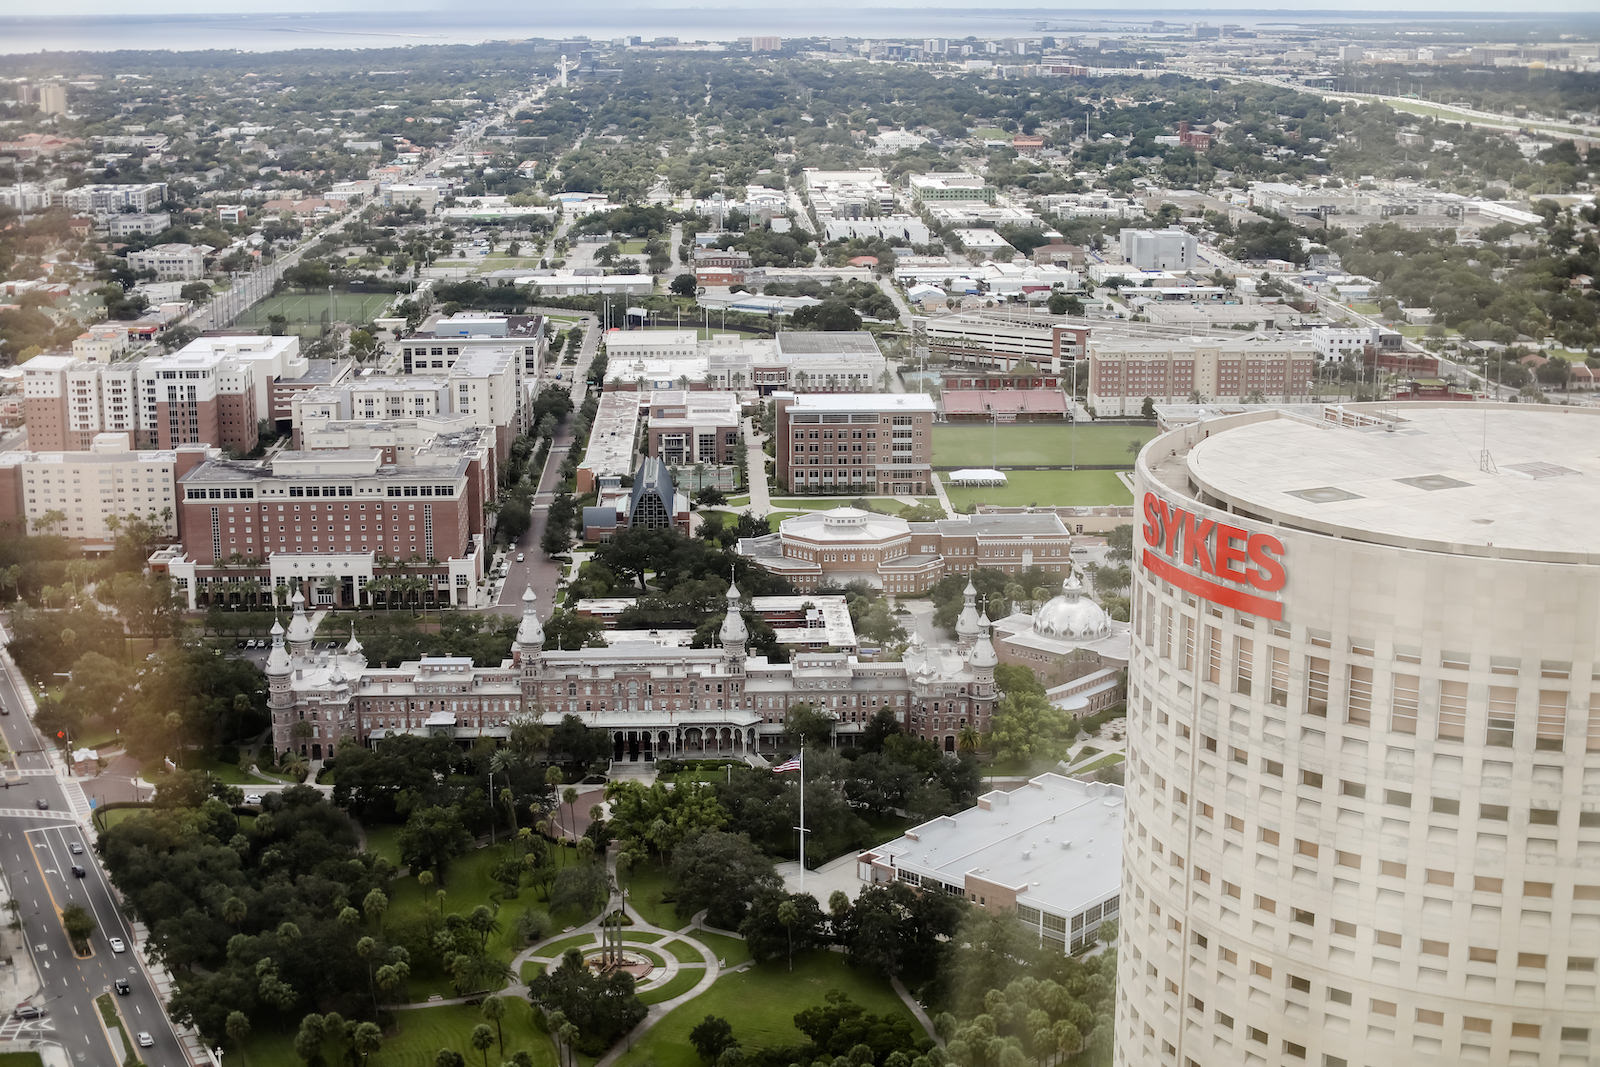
x,y
1104,761
686,979
1046,488
1055,445
420,1036
685,952
646,884
20,1059
761,1004
774,518
384,841
732,951
555,949
468,884
631,248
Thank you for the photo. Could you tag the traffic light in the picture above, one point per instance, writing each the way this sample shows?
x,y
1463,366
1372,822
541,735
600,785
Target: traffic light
x,y
61,735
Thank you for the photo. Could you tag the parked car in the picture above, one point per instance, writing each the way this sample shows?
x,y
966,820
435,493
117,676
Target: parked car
x,y
253,798
29,1011
42,803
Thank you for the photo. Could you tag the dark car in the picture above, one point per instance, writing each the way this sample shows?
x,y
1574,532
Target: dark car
x,y
123,988
42,803
77,871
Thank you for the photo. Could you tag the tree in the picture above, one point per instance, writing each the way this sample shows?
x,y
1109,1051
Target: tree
x,y
482,1038
432,837
79,925
1147,409
601,1008
195,292
365,1040
710,1037
238,1027
684,285
832,315
809,726
720,872
494,1010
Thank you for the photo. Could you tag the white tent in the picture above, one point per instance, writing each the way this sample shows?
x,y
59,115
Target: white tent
x,y
977,477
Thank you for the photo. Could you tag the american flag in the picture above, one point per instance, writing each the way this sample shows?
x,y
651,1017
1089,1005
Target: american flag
x,y
790,764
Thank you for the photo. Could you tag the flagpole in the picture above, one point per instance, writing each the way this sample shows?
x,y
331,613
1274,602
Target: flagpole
x,y
802,816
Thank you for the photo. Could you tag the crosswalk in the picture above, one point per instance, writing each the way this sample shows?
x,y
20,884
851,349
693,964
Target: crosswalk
x,y
43,816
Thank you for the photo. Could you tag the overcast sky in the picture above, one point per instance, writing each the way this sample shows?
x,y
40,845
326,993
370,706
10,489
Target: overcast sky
x,y
57,8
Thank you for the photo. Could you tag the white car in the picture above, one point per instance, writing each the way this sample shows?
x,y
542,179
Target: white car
x,y
253,798
117,945
145,1040
520,557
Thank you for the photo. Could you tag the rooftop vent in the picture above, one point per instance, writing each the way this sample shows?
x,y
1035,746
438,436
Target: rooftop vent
x,y
1432,482
1324,494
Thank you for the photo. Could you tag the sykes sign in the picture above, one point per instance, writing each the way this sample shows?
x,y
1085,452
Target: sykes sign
x,y
1224,564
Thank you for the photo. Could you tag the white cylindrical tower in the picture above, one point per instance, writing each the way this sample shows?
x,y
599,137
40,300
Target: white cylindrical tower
x,y
1363,772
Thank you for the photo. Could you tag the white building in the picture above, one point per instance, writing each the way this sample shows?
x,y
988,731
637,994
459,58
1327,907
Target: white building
x,y
171,262
1168,249
1050,853
91,490
1364,741
114,199
1336,345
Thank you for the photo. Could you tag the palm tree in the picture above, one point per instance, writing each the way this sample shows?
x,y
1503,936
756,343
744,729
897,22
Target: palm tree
x,y
494,1010
968,739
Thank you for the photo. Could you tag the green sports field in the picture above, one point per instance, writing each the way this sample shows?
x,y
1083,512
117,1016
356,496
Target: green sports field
x,y
1043,488
304,310
1053,445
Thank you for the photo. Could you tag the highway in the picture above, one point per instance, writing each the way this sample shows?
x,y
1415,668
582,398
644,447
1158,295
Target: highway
x,y
35,853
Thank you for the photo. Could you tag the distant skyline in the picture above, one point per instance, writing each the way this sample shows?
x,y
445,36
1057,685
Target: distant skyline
x,y
1468,9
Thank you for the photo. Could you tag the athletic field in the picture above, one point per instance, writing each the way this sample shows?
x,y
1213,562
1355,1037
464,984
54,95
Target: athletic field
x,y
304,310
1053,445
1044,489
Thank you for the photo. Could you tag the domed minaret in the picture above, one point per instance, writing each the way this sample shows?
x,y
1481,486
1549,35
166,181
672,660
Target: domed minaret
x,y
527,650
734,633
301,635
968,628
983,660
353,649
280,698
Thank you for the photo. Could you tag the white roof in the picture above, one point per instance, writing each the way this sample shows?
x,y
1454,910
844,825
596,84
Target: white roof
x,y
862,402
1421,484
1057,840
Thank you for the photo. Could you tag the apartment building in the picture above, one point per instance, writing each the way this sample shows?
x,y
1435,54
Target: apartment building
x,y
479,385
1123,371
812,361
331,523
879,443
848,194
113,199
439,342
1005,340
213,391
81,495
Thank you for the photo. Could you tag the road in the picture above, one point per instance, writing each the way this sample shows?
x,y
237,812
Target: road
x,y
35,855
536,570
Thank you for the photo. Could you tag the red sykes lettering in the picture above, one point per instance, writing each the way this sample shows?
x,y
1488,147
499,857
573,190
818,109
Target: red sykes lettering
x,y
1178,543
